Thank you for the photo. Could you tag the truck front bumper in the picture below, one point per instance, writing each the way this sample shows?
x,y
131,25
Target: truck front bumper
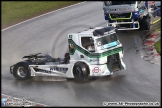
x,y
135,25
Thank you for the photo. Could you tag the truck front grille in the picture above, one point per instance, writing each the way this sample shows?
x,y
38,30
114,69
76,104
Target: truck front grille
x,y
121,16
113,62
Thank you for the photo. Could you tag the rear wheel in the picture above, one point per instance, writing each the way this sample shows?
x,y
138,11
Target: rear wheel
x,y
80,71
21,71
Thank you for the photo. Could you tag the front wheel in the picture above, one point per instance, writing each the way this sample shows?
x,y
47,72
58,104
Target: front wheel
x,y
146,23
80,71
21,71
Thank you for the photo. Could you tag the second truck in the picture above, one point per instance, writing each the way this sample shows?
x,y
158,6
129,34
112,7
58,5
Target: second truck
x,y
130,15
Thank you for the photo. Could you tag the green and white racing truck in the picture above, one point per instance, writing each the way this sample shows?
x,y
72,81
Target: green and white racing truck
x,y
95,52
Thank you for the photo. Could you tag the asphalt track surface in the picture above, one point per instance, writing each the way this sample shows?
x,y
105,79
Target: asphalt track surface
x,y
48,34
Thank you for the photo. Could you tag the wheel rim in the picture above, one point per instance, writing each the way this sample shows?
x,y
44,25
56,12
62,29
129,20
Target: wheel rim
x,y
21,72
78,72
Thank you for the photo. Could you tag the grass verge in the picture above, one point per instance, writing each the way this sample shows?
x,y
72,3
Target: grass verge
x,y
158,46
17,11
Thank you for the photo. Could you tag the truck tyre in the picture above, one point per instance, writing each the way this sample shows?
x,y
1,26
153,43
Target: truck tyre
x,y
21,71
80,71
146,23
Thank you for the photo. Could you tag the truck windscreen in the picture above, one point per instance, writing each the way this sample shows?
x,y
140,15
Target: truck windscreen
x,y
107,3
107,41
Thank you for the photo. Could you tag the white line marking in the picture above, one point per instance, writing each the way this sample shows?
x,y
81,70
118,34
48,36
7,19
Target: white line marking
x,y
42,15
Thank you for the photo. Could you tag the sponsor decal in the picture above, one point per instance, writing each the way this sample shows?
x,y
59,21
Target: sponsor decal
x,y
109,45
60,69
96,70
94,60
120,9
44,71
99,43
71,46
70,36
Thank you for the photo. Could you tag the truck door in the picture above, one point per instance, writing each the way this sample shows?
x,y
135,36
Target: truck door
x,y
87,47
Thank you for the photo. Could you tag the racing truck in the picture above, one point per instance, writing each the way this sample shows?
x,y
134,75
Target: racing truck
x,y
131,15
93,52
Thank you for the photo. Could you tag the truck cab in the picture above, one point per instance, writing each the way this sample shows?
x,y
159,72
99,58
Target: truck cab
x,y
98,48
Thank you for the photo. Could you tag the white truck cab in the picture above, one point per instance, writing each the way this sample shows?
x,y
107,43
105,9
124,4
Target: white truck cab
x,y
98,48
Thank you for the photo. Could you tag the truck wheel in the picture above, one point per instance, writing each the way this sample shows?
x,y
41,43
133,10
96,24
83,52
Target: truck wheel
x,y
21,71
146,23
80,71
